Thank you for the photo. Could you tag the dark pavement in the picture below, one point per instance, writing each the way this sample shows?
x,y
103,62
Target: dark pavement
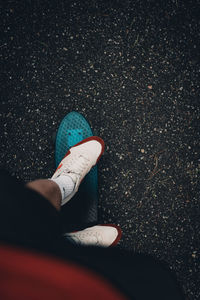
x,y
132,69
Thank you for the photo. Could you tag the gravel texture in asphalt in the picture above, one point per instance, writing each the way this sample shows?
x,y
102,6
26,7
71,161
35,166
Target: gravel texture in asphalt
x,y
132,69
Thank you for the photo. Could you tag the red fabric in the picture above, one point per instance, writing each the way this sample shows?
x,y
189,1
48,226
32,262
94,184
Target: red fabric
x,y
27,275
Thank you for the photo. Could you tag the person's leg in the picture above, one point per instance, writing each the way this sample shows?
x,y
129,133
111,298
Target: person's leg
x,y
48,189
25,214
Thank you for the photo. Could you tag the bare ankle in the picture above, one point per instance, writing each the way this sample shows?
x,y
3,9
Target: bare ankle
x,y
48,189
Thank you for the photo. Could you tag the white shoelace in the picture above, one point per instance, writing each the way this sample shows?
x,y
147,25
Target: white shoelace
x,y
77,164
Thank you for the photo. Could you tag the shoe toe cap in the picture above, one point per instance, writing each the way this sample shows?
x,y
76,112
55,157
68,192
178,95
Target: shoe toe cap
x,y
110,235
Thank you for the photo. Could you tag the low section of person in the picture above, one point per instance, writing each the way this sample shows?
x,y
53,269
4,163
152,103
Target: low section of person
x,y
65,183
38,261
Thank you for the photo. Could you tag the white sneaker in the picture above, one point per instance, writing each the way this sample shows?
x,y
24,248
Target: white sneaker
x,y
79,160
106,235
